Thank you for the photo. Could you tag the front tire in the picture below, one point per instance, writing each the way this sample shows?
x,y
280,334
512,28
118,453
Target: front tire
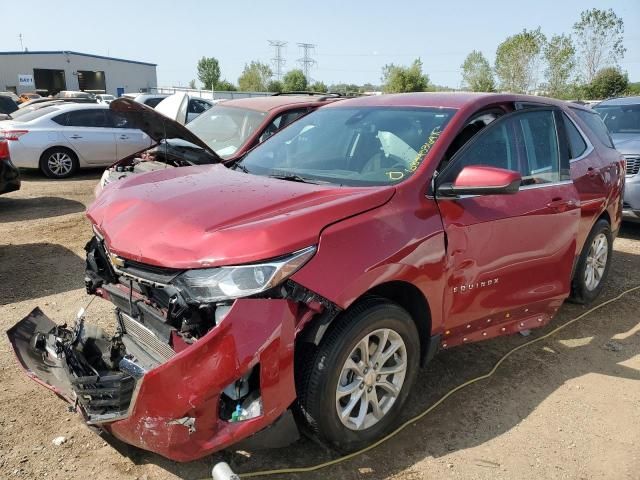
x,y
593,265
356,384
59,163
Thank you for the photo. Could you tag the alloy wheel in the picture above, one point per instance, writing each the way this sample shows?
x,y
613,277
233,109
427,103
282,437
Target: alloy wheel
x,y
371,379
596,262
60,164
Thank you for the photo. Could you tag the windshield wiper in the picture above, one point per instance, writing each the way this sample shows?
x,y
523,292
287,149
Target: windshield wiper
x,y
239,166
293,177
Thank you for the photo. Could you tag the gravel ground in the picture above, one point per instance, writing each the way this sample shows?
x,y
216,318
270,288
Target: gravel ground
x,y
567,407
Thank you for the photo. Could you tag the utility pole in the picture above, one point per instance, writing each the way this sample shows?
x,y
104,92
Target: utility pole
x,y
21,46
278,61
306,61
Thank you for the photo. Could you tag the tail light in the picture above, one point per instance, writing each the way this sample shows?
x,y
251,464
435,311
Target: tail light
x,y
12,135
4,149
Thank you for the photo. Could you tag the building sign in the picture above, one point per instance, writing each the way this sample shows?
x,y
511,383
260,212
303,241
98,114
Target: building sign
x,y
25,79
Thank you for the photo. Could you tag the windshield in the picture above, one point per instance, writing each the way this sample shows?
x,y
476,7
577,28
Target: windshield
x,y
620,118
351,146
226,129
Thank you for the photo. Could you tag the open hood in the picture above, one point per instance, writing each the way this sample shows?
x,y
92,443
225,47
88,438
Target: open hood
x,y
195,217
155,124
174,107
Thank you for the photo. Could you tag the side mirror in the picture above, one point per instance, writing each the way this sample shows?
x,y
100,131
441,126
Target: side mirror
x,y
482,180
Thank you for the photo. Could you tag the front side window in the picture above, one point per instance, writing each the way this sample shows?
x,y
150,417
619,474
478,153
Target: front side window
x,y
225,129
525,141
363,146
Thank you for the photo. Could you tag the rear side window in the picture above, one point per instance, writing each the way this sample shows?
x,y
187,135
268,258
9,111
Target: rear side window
x,y
87,118
153,102
577,145
596,125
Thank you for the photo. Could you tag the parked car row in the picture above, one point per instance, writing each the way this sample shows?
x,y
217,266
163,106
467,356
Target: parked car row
x,y
301,279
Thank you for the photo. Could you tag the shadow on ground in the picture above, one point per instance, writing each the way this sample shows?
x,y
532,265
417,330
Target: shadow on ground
x,y
34,175
481,412
24,209
630,230
34,270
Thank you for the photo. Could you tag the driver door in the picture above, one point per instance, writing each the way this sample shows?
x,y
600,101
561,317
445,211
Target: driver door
x,y
510,256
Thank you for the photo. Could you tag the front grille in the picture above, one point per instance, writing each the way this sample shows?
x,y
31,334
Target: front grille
x,y
104,395
633,164
145,338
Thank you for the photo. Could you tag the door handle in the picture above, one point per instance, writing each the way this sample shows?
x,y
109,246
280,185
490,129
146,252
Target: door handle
x,y
75,137
561,205
124,137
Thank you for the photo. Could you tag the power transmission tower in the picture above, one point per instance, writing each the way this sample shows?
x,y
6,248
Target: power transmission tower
x,y
278,61
306,61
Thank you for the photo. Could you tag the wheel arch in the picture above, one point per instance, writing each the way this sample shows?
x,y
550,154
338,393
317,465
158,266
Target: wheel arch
x,y
411,298
400,292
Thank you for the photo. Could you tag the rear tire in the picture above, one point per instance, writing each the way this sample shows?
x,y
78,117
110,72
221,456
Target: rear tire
x,y
344,394
593,265
59,163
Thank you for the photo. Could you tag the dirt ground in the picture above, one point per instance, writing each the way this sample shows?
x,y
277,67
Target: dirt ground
x,y
564,408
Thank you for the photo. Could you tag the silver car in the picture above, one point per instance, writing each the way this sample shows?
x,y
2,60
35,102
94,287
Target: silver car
x,y
622,117
60,139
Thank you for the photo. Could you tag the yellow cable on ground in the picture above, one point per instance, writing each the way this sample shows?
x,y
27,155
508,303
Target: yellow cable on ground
x,y
319,466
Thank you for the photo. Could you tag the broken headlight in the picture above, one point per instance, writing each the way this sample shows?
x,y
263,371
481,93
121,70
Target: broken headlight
x,y
227,283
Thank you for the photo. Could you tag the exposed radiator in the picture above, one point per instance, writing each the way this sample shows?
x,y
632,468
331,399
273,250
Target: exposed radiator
x,y
145,338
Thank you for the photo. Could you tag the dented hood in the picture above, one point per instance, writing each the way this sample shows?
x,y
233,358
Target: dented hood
x,y
155,124
194,217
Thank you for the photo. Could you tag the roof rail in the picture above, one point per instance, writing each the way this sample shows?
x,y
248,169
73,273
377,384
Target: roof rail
x,y
304,92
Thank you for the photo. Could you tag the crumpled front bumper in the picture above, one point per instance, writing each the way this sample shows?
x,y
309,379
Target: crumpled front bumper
x,y
174,410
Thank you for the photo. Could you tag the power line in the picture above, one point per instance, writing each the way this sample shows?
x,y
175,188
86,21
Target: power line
x,y
306,61
278,60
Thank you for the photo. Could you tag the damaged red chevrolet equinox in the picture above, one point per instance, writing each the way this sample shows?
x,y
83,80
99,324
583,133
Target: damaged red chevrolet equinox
x,y
302,287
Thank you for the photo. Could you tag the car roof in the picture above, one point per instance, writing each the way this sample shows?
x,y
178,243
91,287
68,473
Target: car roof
x,y
454,100
620,101
267,103
69,106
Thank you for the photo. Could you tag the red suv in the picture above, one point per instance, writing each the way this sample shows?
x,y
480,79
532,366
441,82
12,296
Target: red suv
x,y
317,274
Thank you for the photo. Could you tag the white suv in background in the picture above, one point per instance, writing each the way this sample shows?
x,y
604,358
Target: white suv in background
x,y
60,139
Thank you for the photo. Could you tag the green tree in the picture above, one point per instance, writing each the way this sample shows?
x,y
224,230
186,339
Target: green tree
x,y
225,86
398,79
608,82
599,36
517,61
192,84
346,88
477,75
255,77
274,86
208,72
294,81
559,54
319,87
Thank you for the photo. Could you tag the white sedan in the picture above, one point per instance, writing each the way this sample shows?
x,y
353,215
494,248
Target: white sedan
x,y
60,139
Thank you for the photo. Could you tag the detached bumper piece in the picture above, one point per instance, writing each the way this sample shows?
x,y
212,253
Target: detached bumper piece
x,y
108,395
80,365
178,404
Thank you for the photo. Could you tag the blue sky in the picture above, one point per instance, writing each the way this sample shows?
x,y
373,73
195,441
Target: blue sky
x,y
354,39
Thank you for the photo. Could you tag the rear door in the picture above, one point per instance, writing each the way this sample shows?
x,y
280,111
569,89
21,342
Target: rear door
x,y
128,140
91,133
510,257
